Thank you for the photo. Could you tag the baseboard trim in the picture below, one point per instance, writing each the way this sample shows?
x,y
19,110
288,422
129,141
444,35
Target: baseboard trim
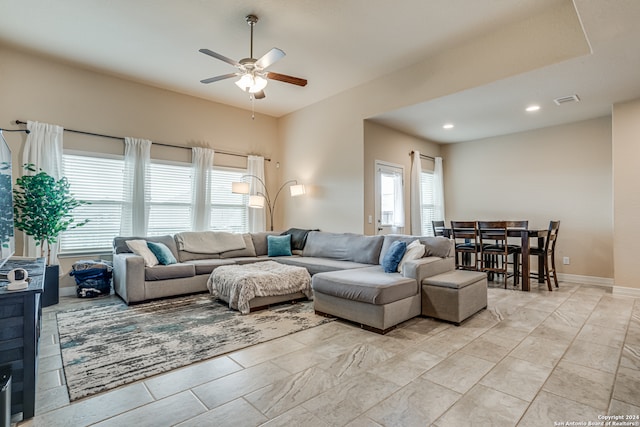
x,y
626,292
68,291
585,280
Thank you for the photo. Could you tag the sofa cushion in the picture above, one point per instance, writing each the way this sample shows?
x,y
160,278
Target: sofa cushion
x,y
185,256
206,266
173,271
434,246
415,250
140,248
260,241
344,247
162,253
320,265
369,285
120,246
249,250
393,256
279,245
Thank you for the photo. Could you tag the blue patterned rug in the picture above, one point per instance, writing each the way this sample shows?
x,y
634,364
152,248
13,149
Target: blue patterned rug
x,y
107,346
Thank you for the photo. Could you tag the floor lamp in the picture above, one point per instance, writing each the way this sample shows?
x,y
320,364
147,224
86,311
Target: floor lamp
x,y
259,200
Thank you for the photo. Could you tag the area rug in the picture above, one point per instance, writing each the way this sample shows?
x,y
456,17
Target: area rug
x,y
104,347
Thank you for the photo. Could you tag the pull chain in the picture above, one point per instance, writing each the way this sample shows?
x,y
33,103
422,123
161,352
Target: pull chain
x,y
253,100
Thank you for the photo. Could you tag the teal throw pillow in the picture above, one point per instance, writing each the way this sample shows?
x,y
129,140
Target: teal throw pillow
x,y
162,252
393,256
279,245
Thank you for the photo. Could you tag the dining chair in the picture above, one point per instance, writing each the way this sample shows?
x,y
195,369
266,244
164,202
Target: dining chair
x,y
547,254
465,236
438,228
495,250
516,241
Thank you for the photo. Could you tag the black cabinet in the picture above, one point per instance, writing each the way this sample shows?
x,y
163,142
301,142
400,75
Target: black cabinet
x,y
20,316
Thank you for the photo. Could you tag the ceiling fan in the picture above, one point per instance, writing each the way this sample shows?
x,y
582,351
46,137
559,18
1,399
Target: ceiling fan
x,y
252,72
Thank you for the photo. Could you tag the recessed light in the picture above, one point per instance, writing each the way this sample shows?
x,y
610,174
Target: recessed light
x,y
532,108
448,126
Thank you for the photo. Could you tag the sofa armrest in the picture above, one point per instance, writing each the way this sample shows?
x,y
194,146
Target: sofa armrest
x,y
128,277
422,268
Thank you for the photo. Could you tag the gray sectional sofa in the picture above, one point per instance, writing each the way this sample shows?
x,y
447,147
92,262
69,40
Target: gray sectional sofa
x,y
347,277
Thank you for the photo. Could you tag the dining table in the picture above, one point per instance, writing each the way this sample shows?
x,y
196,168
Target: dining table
x,y
525,235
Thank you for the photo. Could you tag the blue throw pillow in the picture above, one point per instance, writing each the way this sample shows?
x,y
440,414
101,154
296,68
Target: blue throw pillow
x,y
279,245
393,256
162,252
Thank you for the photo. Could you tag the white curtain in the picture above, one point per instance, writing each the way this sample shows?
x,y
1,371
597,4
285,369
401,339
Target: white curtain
x,y
257,217
135,208
44,150
416,195
438,190
398,201
202,163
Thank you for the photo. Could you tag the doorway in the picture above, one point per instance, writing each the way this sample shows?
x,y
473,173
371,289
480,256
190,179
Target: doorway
x,y
389,198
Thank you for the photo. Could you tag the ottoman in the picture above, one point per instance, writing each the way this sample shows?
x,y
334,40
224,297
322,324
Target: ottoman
x,y
455,295
250,286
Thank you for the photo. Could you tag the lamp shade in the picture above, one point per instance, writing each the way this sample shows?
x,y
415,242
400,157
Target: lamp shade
x,y
240,187
250,83
256,202
297,190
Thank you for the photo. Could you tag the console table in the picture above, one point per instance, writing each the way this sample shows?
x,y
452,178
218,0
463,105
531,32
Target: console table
x,y
20,314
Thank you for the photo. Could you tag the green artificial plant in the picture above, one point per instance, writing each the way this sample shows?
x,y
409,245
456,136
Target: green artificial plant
x,y
43,206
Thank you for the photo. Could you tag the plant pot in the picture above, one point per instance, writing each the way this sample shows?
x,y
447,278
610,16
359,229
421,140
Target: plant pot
x,y
51,286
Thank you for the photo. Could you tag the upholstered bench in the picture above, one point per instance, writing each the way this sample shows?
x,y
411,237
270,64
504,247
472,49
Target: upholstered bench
x,y
455,295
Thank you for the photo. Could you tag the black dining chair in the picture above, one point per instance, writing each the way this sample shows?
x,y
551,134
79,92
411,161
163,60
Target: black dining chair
x,y
495,250
438,228
547,254
465,236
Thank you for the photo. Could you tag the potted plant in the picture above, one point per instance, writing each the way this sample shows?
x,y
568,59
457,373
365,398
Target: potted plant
x,y
42,208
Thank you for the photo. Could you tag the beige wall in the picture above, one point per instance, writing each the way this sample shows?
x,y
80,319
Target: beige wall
x,y
34,88
562,172
626,193
324,143
388,145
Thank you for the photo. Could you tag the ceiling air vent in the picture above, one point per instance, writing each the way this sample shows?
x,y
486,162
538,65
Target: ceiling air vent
x,y
566,99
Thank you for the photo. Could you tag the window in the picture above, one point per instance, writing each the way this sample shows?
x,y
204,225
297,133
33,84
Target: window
x,y
169,192
98,180
229,211
428,205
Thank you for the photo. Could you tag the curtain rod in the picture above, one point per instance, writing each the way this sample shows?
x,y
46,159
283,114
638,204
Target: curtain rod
x,y
228,153
424,156
27,131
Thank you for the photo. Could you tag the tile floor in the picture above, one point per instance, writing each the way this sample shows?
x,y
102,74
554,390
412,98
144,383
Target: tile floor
x,y
530,359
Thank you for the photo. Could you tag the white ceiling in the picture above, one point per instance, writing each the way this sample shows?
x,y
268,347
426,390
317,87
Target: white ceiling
x,y
336,45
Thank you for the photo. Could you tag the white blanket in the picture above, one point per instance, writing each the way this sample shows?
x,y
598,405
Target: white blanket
x,y
239,284
209,242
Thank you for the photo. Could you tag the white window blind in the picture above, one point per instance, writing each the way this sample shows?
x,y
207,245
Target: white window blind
x,y
97,180
169,192
428,207
228,210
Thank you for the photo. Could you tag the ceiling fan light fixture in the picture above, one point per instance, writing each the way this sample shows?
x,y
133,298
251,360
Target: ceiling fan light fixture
x,y
252,84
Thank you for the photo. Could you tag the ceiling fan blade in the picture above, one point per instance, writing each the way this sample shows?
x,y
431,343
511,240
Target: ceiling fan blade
x,y
216,78
259,95
287,79
270,58
220,57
